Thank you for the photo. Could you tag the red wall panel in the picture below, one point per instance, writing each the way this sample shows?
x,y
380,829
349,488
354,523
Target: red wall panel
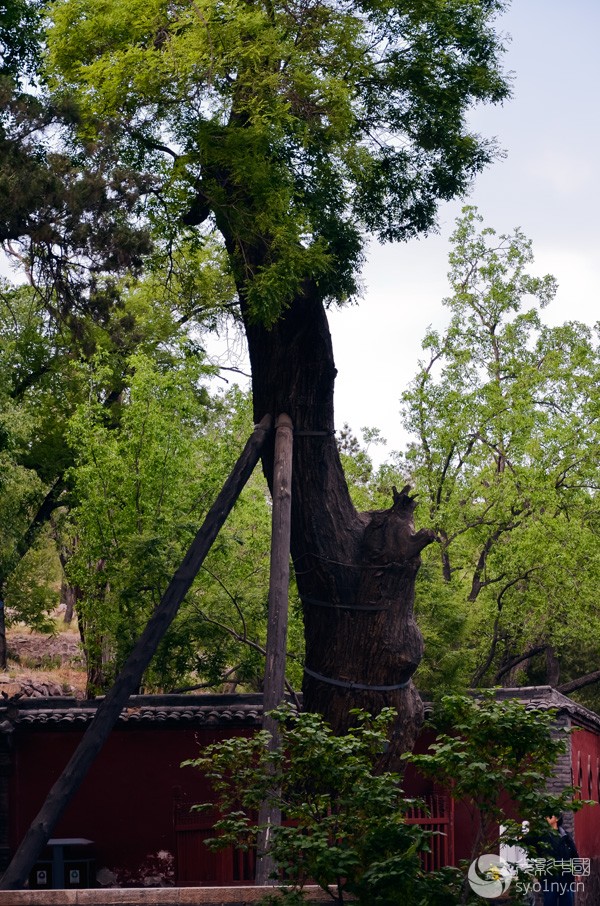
x,y
585,755
126,803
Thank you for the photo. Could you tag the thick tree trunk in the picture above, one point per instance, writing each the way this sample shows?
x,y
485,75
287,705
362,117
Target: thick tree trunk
x,y
96,646
552,667
69,594
355,571
68,597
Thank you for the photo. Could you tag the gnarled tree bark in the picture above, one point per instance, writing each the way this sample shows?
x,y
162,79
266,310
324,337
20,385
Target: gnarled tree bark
x,y
355,571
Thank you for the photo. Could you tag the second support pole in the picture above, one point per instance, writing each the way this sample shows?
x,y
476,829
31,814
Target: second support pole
x,y
274,684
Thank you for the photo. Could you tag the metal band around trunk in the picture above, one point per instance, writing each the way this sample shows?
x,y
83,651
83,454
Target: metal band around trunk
x,y
350,685
374,607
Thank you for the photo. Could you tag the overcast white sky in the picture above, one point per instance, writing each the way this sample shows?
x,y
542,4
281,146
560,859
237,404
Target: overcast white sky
x,y
548,185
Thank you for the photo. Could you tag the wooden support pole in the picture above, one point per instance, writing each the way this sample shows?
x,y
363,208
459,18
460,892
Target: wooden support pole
x,y
274,685
130,677
279,582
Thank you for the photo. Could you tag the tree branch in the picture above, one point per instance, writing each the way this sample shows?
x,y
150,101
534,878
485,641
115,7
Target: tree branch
x,y
481,671
218,682
246,641
586,680
531,652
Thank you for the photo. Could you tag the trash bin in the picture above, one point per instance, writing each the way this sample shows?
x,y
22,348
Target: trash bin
x,y
67,863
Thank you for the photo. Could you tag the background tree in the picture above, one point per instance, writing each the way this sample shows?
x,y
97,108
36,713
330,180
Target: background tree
x,y
139,488
65,226
505,460
68,407
70,220
295,130
369,486
34,377
42,365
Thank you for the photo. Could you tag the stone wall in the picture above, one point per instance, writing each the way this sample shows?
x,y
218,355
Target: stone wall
x,y
563,775
174,896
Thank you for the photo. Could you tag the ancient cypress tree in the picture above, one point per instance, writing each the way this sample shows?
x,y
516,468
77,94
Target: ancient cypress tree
x,y
295,129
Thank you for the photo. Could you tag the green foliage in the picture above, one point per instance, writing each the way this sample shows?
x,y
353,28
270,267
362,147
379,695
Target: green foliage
x,y
345,822
228,606
32,590
298,126
20,486
140,485
126,451
20,22
497,756
505,464
69,213
143,479
41,385
25,428
45,378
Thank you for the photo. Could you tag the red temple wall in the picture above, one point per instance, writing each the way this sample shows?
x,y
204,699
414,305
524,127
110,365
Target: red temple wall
x,y
585,763
126,803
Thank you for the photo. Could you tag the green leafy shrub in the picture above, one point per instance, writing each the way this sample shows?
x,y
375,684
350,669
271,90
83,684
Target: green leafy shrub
x,y
498,756
345,826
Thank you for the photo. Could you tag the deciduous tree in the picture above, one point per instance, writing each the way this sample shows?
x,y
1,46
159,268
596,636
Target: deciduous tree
x,y
138,489
505,459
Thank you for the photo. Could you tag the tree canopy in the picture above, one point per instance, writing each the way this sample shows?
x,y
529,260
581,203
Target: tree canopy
x,y
504,417
298,126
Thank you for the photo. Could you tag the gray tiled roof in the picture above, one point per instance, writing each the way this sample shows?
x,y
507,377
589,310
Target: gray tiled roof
x,y
227,710
195,710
